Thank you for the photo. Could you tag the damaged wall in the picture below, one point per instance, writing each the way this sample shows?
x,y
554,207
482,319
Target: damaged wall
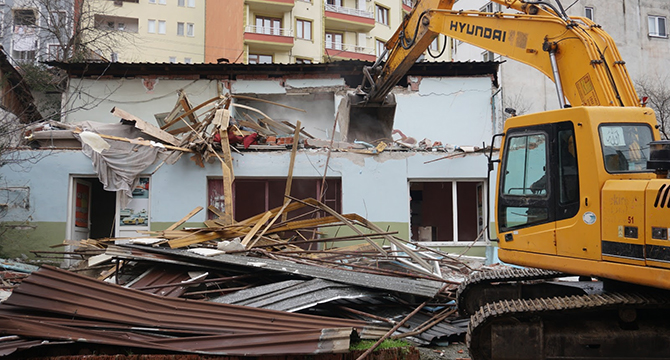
x,y
455,111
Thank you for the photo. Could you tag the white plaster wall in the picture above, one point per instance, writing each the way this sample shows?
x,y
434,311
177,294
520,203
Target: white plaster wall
x,y
454,111
93,99
372,186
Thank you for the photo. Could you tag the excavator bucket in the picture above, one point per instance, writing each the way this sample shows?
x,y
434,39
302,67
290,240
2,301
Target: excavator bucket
x,y
369,122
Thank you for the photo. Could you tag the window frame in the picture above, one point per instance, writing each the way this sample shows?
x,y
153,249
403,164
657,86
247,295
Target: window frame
x,y
382,15
656,19
300,26
334,45
190,3
158,28
181,27
181,3
149,26
190,29
268,30
258,58
587,10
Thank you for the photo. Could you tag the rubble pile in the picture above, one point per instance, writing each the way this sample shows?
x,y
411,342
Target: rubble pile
x,y
268,284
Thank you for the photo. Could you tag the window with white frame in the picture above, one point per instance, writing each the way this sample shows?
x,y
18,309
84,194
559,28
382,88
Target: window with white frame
x,y
161,27
190,29
334,41
588,12
334,2
173,59
191,3
180,29
382,14
151,26
303,61
260,59
187,60
152,1
447,211
303,29
181,3
266,25
657,26
162,2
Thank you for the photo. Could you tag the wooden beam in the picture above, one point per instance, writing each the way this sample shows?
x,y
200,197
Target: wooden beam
x,y
146,127
254,230
268,101
289,178
167,125
138,142
185,218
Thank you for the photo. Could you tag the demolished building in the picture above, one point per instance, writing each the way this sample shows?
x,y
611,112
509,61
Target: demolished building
x,y
445,111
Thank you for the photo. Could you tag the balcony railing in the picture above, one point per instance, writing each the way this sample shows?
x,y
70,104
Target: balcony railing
x,y
349,11
269,30
350,48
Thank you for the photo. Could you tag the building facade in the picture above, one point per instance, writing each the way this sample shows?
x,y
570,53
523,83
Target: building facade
x,y
302,31
35,30
161,31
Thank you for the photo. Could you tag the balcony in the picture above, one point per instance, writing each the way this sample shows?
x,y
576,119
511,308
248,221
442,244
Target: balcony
x,y
349,52
271,6
407,6
268,38
349,19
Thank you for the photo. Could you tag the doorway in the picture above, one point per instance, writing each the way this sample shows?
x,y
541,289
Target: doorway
x,y
90,210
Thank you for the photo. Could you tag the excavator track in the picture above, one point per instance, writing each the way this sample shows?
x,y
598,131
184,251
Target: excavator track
x,y
597,326
483,287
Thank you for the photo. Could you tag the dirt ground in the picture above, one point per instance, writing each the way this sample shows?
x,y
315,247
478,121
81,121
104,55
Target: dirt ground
x,y
454,351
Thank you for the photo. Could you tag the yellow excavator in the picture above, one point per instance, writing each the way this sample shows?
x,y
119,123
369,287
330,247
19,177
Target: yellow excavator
x,y
583,190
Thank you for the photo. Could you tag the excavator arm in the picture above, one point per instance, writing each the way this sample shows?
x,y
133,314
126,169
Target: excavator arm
x,y
574,52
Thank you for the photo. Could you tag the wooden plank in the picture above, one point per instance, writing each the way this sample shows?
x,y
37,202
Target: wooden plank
x,y
269,225
216,211
326,208
200,106
222,120
302,131
146,127
309,223
197,238
259,129
187,109
291,207
227,194
185,218
289,178
256,227
278,126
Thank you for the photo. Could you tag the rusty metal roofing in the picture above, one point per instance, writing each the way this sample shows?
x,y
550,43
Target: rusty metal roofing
x,y
161,281
419,287
147,321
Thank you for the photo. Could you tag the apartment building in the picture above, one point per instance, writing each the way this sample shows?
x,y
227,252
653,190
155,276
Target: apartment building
x,y
302,31
159,31
638,28
35,30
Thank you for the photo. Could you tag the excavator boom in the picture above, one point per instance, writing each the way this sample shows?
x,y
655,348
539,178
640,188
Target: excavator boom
x,y
572,51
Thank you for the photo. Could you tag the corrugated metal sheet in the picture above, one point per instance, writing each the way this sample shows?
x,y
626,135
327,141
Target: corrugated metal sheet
x,y
154,281
193,326
293,295
420,287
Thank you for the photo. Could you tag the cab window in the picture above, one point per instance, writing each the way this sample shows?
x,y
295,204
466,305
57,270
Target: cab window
x,y
525,180
625,147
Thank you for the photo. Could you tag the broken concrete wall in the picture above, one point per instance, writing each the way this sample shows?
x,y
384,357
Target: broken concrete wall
x,y
454,111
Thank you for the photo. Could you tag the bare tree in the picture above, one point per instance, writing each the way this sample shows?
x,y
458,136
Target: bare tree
x,y
657,93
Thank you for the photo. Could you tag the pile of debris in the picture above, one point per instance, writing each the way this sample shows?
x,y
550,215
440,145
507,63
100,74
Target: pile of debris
x,y
269,284
251,288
